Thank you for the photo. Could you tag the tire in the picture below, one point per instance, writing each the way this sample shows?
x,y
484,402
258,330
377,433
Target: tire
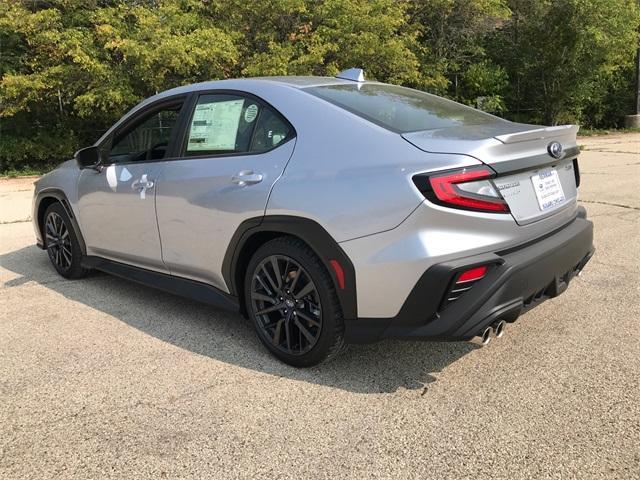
x,y
61,242
301,322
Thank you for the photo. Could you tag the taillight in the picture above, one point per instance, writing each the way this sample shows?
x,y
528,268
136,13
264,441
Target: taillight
x,y
468,189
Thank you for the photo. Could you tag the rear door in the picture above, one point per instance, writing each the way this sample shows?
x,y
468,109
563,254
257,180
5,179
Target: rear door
x,y
234,148
117,203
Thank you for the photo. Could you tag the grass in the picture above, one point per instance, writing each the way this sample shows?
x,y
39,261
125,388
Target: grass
x,y
26,171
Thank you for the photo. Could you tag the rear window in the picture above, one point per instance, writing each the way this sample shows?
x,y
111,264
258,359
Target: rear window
x,y
400,109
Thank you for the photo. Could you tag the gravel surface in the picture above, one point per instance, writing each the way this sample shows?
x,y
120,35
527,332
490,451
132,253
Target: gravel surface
x,y
103,378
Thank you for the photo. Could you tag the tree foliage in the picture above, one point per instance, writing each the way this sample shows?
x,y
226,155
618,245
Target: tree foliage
x,y
70,68
563,56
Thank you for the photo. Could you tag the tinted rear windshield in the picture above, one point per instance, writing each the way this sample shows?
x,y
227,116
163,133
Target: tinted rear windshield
x,y
400,109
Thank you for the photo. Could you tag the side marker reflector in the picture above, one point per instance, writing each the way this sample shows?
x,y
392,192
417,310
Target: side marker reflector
x,y
337,268
472,274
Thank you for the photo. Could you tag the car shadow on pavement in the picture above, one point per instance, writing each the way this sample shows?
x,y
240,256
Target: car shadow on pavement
x,y
227,337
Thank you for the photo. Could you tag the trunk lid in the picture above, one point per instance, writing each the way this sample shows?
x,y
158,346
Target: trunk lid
x,y
535,184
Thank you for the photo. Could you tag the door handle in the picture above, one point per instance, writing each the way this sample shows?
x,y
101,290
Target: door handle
x,y
246,177
142,184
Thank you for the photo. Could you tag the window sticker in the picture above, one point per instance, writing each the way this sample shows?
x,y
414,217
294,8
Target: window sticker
x,y
215,126
276,138
251,113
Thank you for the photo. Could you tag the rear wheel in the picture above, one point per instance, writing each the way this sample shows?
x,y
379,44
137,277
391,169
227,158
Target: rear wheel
x,y
293,304
61,242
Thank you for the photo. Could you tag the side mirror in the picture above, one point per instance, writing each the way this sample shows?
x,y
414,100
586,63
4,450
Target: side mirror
x,y
88,157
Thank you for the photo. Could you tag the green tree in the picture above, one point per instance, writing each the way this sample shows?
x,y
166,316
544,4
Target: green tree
x,y
70,68
296,37
80,64
561,55
483,86
452,35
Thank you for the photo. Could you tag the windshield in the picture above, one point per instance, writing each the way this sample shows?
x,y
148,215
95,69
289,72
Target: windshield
x,y
400,109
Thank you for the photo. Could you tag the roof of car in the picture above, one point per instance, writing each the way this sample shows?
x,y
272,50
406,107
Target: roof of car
x,y
301,81
231,83
297,82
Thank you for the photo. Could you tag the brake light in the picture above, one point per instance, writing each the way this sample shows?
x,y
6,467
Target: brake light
x,y
468,189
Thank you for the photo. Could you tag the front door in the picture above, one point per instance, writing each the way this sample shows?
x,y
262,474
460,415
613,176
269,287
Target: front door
x,y
117,204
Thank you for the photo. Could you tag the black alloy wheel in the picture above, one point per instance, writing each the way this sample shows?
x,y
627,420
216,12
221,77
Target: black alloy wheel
x,y
58,242
286,304
61,242
291,298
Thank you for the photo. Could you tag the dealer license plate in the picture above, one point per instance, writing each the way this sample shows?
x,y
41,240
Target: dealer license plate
x,y
548,189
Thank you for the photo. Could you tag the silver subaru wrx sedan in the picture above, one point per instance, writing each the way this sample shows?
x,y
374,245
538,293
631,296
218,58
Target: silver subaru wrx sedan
x,y
326,210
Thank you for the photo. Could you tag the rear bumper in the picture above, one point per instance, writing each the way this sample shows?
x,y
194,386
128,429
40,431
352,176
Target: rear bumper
x,y
518,279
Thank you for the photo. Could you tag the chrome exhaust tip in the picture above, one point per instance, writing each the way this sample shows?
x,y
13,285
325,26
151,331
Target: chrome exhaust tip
x,y
485,336
499,328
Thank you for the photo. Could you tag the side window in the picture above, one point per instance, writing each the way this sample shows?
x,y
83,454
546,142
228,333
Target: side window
x,y
222,124
148,139
271,130
225,123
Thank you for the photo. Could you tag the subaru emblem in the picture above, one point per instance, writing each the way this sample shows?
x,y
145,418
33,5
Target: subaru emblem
x,y
555,149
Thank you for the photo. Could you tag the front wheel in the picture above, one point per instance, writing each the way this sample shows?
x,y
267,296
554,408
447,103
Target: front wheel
x,y
292,301
61,242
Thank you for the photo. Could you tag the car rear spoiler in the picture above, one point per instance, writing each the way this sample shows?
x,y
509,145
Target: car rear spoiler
x,y
539,133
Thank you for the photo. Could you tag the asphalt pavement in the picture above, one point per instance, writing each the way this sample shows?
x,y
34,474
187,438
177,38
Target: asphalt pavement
x,y
103,378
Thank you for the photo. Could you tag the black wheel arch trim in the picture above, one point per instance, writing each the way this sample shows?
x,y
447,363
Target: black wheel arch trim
x,y
61,198
310,232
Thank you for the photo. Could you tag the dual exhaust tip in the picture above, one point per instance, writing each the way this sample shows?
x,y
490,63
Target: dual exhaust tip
x,y
497,328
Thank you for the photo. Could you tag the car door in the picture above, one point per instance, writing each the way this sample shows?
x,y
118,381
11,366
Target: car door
x,y
234,148
117,201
